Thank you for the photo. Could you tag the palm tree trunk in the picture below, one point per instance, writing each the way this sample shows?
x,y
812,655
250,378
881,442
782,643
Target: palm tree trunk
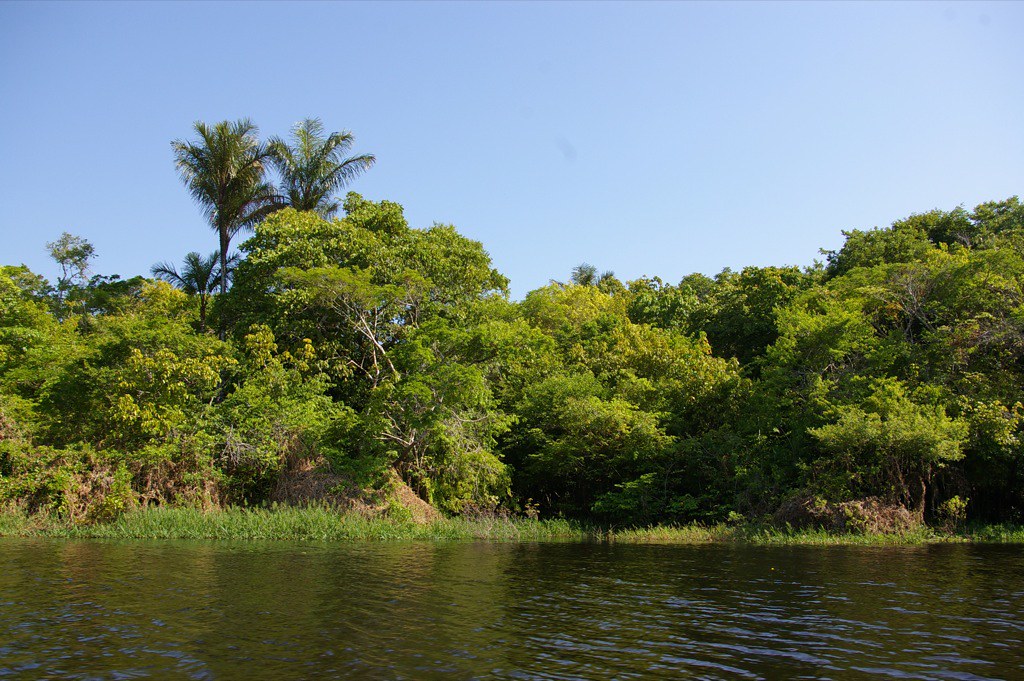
x,y
225,239
203,297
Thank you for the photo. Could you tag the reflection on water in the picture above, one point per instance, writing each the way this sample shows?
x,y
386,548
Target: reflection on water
x,y
91,609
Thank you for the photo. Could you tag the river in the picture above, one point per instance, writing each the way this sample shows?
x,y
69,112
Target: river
x,y
196,610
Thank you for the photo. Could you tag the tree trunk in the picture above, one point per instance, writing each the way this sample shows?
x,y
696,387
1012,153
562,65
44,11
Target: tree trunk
x,y
225,240
920,497
202,310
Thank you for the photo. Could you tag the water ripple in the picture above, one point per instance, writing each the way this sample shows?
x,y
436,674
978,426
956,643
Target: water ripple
x,y
108,610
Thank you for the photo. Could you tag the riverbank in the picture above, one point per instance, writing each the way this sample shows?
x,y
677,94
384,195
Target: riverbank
x,y
324,524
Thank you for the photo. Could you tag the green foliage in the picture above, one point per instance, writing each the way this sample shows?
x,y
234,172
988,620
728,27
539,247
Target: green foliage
x,y
622,428
888,445
952,513
74,255
355,286
438,424
566,312
198,277
586,274
359,351
276,413
119,496
579,443
903,242
77,484
736,311
108,295
24,321
684,307
135,378
512,354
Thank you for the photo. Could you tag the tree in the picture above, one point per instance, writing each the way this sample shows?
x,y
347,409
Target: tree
x,y
74,255
888,445
224,171
436,421
24,319
586,274
370,279
198,277
377,315
314,166
575,442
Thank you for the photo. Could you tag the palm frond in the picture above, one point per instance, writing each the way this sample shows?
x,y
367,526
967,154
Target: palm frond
x,y
224,170
167,272
313,166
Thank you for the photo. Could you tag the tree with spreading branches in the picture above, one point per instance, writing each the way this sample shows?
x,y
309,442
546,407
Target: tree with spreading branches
x,y
74,255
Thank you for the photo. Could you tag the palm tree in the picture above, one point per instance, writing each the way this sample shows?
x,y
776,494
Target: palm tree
x,y
225,173
314,166
198,277
584,274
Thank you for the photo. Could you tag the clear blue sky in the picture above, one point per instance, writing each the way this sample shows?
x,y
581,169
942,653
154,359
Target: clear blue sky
x,y
657,139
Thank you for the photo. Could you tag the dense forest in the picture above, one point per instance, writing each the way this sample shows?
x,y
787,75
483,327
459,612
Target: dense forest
x,y
340,344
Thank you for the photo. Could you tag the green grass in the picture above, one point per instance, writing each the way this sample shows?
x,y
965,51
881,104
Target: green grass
x,y
785,537
16,524
995,534
297,524
325,524
671,534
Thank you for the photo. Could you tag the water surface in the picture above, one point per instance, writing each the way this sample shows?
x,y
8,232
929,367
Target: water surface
x,y
193,610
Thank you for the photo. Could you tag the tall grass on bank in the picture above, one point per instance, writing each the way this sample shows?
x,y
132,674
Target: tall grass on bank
x,y
319,523
979,534
670,534
14,523
816,537
314,523
996,534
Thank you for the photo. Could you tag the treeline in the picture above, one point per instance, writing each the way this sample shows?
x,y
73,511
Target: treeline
x,y
366,350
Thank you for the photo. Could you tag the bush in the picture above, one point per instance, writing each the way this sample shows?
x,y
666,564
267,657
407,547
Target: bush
x,y
952,513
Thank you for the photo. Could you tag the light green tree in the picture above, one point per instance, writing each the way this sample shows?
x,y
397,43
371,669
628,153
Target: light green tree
x,y
74,255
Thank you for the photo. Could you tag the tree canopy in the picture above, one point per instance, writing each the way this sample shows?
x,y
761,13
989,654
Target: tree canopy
x,y
371,353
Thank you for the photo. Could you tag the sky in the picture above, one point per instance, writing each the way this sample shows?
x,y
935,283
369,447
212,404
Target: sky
x,y
653,139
